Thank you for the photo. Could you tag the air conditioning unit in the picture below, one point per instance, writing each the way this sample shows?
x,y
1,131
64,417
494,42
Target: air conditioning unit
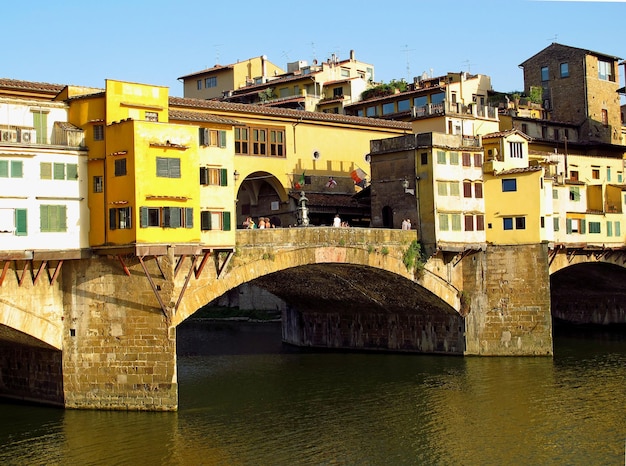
x,y
28,136
8,135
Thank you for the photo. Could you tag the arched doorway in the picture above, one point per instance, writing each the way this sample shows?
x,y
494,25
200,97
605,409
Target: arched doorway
x,y
387,217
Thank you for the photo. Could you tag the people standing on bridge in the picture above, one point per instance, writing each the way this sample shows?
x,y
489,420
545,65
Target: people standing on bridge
x,y
405,224
262,223
408,223
251,224
337,221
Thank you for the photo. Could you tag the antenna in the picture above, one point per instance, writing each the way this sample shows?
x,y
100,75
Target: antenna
x,y
469,65
217,53
553,39
313,50
286,54
408,66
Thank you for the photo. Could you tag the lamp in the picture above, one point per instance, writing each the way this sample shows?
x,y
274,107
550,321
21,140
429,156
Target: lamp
x,y
236,175
405,185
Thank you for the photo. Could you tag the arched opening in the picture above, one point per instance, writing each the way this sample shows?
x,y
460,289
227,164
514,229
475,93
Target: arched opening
x,y
387,217
261,195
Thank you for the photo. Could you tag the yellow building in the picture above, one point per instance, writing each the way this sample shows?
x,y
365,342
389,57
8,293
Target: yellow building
x,y
145,172
214,82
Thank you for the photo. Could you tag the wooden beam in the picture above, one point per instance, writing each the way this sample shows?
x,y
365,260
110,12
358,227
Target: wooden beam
x,y
4,271
56,272
124,267
187,277
155,289
41,268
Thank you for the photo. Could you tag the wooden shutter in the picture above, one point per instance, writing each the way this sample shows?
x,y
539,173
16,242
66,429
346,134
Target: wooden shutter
x,y
143,214
204,175
226,221
21,222
223,177
188,217
112,218
205,220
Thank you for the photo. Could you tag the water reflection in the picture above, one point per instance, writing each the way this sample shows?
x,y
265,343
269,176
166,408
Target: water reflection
x,y
245,399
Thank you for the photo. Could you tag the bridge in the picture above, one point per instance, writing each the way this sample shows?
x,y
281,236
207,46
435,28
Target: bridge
x,y
100,332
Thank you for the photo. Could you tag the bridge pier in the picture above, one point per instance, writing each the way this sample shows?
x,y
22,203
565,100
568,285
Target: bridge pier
x,y
508,290
119,351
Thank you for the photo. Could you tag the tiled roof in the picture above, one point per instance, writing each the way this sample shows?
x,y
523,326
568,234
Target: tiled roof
x,y
272,82
207,70
30,85
503,134
201,116
513,171
302,115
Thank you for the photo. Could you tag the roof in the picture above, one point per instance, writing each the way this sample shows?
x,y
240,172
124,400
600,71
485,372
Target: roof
x,y
514,171
30,85
301,115
201,116
585,51
504,134
208,70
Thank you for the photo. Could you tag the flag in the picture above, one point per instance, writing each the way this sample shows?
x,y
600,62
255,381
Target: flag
x,y
300,183
331,183
358,175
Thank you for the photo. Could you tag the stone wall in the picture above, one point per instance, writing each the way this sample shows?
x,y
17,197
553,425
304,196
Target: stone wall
x,y
118,350
508,290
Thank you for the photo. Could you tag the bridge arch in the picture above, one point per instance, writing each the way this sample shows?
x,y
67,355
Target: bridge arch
x,y
262,253
32,329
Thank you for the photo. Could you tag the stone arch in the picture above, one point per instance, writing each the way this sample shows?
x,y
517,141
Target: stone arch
x,y
205,290
28,323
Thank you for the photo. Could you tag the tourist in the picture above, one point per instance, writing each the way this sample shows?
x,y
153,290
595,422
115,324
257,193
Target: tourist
x,y
261,223
337,221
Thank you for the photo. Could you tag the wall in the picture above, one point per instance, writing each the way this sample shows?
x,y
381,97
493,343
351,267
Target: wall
x,y
508,288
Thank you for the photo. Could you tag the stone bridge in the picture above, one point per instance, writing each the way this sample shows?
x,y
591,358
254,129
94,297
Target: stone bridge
x,y
102,332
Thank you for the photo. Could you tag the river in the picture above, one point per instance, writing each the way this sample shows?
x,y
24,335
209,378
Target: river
x,y
245,399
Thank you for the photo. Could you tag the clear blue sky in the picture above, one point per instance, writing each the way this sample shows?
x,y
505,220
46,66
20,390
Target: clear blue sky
x,y
157,41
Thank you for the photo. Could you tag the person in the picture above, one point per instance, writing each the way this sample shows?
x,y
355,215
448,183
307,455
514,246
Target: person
x,y
408,223
251,224
261,222
246,223
404,224
337,221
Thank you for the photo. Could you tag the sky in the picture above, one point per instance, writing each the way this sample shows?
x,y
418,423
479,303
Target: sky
x,y
157,41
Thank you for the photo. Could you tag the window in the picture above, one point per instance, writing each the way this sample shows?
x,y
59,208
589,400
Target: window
x,y
609,229
259,140
214,221
388,108
575,225
424,158
573,175
467,189
574,193
520,223
166,217
21,227
594,227
555,193
199,84
480,222
507,223
120,167
152,116
62,171
516,150
454,188
608,173
545,75
13,221
509,185
618,228
168,167
98,184
443,222
404,105
420,101
338,91
605,117
595,173
525,128
98,132
555,223
478,160
441,157
620,177
120,218
442,188
212,137
437,98
478,190
605,70
454,158
210,82
371,111
564,70
52,218
469,223
456,222
556,134
213,176
11,169
467,159
40,122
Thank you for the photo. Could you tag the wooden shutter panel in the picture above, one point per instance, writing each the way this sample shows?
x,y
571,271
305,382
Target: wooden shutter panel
x,y
112,222
205,220
226,221
204,175
222,138
223,177
143,214
188,217
21,222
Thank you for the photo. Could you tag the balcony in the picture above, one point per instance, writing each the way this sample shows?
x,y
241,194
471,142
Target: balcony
x,y
457,108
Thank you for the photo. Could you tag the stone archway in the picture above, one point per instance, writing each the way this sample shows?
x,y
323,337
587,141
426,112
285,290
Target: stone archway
x,y
387,217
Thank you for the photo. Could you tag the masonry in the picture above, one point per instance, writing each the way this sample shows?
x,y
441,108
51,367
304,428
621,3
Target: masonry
x,y
99,339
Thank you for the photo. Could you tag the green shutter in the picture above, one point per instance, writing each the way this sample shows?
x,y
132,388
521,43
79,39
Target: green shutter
x,y
16,169
40,122
222,138
618,227
582,227
568,225
205,220
175,217
21,222
609,228
204,175
162,167
45,170
44,224
223,177
59,171
189,217
226,221
143,214
174,168
72,171
4,168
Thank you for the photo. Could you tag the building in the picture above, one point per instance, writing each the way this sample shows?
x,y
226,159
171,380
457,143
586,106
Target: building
x,y
43,171
220,80
578,86
324,87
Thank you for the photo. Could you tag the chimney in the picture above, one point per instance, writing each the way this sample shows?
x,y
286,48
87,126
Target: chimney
x,y
352,55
